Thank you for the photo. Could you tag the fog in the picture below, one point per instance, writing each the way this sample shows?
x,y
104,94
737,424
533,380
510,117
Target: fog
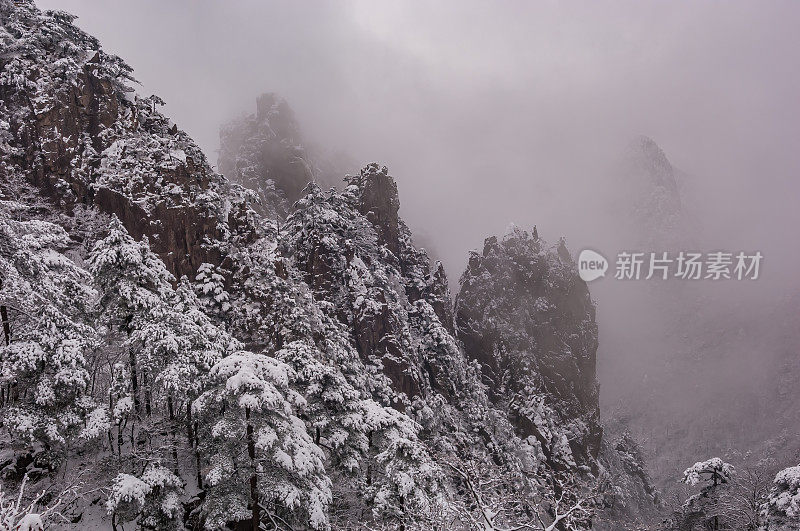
x,y
488,114
491,113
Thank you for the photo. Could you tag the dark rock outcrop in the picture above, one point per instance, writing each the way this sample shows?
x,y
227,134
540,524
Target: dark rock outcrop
x,y
73,129
646,204
265,152
380,204
528,319
627,494
357,254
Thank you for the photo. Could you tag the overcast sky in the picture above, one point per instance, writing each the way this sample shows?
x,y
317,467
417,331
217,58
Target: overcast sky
x,y
492,112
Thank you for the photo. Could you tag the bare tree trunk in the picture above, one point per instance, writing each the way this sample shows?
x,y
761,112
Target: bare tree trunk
x,y
4,317
146,385
191,434
197,465
6,324
137,405
120,429
251,451
189,422
7,338
173,431
369,464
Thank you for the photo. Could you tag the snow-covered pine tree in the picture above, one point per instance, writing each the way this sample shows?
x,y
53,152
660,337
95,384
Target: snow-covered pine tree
x,y
713,471
402,481
371,449
210,289
263,464
781,511
366,441
705,508
44,303
153,499
180,348
334,407
134,284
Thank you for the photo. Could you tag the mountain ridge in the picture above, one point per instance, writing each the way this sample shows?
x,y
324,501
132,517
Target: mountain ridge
x,y
316,333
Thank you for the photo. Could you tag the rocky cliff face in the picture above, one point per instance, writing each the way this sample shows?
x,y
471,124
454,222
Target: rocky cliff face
x,y
266,153
527,318
647,203
629,498
73,128
357,254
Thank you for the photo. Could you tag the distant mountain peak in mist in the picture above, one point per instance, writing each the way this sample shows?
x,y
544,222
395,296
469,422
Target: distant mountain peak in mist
x,y
645,198
650,159
267,153
274,110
